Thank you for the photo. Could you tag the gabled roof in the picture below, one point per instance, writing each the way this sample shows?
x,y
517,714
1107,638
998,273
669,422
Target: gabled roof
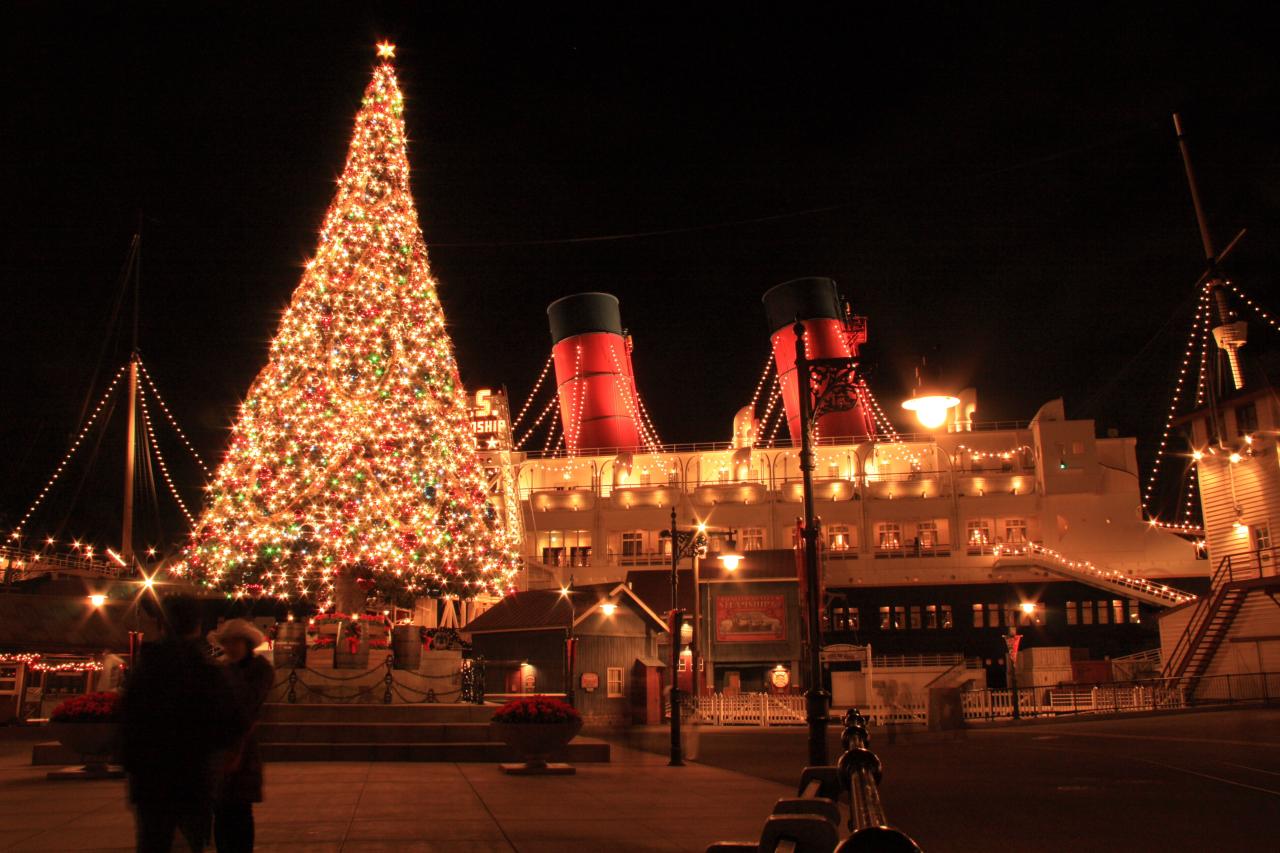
x,y
539,609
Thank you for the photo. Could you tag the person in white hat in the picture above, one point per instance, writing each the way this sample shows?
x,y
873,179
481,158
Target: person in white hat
x,y
251,677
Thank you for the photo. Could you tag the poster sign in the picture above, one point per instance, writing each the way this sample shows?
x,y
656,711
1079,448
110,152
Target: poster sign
x,y
590,681
751,618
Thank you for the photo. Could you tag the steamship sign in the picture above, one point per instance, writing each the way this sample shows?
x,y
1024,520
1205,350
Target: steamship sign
x,y
491,419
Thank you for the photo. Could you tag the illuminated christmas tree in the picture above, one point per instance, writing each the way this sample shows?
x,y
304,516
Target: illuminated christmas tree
x,y
353,458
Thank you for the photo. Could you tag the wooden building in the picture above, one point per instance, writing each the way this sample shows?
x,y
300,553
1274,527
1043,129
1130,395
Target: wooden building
x,y
616,674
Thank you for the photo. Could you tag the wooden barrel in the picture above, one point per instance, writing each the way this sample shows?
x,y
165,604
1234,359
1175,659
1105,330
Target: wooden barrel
x,y
406,647
290,648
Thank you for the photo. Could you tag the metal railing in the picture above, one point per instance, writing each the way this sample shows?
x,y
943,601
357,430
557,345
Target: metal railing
x,y
1231,569
18,562
860,772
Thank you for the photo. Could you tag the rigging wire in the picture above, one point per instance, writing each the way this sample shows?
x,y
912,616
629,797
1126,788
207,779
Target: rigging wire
x,y
75,445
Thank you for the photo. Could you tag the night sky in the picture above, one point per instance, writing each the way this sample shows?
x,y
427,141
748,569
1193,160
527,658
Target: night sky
x,y
1003,195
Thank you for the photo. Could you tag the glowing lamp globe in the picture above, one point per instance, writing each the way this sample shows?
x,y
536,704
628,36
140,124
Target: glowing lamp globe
x,y
931,410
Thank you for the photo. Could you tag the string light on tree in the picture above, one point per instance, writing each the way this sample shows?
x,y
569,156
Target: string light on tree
x,y
353,455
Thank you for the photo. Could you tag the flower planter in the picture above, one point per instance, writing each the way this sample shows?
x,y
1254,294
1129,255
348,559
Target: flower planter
x,y
94,743
535,743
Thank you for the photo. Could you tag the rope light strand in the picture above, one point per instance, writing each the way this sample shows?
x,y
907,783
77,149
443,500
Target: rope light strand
x,y
173,422
546,368
75,445
164,468
764,376
655,441
537,423
1178,388
769,410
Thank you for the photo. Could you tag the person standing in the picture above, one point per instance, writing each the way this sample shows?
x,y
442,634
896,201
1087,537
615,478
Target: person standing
x,y
251,677
177,714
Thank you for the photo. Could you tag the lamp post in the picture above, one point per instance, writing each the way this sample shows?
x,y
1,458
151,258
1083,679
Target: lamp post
x,y
570,643
825,385
683,543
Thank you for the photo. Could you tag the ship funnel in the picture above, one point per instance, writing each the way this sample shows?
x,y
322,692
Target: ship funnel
x,y
829,333
599,407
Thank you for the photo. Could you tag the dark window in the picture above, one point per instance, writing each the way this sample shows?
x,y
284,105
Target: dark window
x,y
1246,419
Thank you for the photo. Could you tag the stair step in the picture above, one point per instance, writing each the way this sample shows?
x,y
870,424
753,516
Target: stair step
x,y
580,751
361,732
427,713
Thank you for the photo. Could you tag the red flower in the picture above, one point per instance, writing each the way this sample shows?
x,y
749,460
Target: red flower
x,y
536,709
101,707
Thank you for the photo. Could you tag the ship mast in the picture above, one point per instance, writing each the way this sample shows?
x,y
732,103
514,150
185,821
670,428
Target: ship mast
x,y
1229,333
131,429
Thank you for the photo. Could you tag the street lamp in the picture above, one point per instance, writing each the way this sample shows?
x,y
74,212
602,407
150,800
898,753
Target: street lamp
x,y
684,543
825,385
930,403
570,643
731,559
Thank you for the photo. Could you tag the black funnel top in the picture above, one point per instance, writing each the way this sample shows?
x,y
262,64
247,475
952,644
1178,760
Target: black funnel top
x,y
584,312
801,299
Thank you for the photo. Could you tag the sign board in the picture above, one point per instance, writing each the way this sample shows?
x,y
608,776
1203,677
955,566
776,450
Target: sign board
x,y
489,420
751,618
590,681
1011,643
780,678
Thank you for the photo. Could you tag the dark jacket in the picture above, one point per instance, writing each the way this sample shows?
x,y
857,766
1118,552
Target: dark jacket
x,y
251,681
177,713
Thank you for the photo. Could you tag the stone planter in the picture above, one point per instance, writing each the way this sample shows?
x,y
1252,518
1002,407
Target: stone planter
x,y
94,743
535,742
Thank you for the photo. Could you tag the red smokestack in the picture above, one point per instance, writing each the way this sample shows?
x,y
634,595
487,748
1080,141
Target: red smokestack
x,y
598,404
828,334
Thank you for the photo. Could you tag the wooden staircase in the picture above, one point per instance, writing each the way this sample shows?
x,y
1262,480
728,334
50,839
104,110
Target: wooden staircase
x,y
1212,617
427,732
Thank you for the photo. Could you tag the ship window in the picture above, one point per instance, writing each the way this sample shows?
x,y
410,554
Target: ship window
x,y
1104,613
1117,611
915,617
1135,615
1015,531
946,616
633,543
1086,613
886,619
993,615
838,537
931,616
1260,536
927,533
889,535
979,533
1073,615
977,615
753,539
613,676
899,618
1246,419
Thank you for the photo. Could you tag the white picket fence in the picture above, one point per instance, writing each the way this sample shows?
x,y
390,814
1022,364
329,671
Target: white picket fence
x,y
747,709
1044,701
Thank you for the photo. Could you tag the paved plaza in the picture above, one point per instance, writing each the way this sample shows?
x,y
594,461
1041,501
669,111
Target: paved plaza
x,y
1190,781
635,803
